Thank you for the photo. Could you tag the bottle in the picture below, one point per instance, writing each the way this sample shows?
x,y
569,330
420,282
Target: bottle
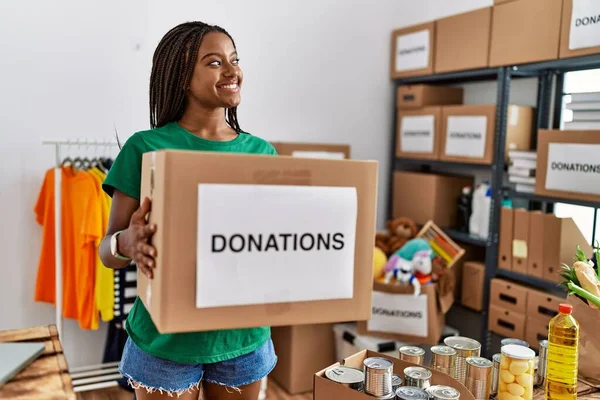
x,y
464,209
486,204
563,355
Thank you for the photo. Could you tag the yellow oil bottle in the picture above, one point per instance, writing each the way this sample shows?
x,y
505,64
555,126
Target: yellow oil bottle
x,y
563,355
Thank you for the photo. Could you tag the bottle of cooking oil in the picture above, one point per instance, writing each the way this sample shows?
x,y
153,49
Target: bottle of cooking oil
x,y
563,355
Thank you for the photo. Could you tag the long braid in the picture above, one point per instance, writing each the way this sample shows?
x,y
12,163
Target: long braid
x,y
172,70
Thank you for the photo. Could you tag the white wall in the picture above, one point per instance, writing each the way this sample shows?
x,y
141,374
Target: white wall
x,y
314,71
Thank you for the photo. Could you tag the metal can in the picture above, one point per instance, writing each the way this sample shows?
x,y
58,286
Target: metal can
x,y
495,374
540,375
443,359
411,393
465,348
378,376
417,377
412,354
518,342
351,377
396,382
441,392
479,377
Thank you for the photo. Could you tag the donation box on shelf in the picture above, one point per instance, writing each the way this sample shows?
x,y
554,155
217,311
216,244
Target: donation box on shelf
x,y
249,240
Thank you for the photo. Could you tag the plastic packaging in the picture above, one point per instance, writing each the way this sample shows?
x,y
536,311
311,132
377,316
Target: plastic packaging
x,y
484,225
480,212
517,365
563,355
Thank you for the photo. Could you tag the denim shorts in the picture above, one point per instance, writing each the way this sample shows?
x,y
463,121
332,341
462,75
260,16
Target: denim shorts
x,y
157,374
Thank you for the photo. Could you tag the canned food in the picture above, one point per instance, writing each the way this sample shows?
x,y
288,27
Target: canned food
x,y
411,393
417,377
412,354
518,342
495,374
516,372
441,392
443,359
540,374
351,377
465,348
396,382
479,377
378,376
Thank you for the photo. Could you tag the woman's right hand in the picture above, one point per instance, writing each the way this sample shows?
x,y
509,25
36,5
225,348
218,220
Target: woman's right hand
x,y
134,241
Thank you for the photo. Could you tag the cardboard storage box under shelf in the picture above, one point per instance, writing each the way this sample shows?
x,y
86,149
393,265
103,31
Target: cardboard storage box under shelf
x,y
205,233
580,31
462,41
525,31
535,331
313,150
468,132
418,133
412,50
473,278
567,164
418,96
505,243
426,197
506,323
542,306
508,295
520,241
325,389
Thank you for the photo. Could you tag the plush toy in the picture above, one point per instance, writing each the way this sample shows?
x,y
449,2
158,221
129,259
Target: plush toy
x,y
381,242
401,230
379,262
411,264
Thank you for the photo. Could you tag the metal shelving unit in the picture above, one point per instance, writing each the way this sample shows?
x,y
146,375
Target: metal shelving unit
x,y
550,89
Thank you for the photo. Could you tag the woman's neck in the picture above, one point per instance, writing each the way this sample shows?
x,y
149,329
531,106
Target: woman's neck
x,y
207,124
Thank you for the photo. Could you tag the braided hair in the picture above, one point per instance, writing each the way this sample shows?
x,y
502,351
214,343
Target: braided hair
x,y
172,70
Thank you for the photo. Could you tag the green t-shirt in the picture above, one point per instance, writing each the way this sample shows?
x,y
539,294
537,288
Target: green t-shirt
x,y
125,176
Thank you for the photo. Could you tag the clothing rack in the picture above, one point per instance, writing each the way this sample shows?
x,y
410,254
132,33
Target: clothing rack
x,y
90,377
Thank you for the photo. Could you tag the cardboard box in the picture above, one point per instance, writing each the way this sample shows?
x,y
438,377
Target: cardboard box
x,y
418,96
473,254
325,389
295,365
462,41
506,239
535,332
198,283
412,51
313,150
579,33
435,199
473,278
399,315
525,31
506,323
468,132
508,295
501,1
520,241
418,133
561,238
542,306
567,164
535,245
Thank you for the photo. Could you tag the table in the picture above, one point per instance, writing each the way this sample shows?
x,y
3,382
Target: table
x,y
48,376
584,392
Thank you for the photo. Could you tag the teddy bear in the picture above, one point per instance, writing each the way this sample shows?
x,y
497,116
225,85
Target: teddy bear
x,y
401,230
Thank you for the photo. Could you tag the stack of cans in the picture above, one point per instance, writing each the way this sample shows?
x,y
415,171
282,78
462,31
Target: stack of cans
x,y
417,377
396,382
540,375
350,377
465,348
440,392
443,359
411,393
412,354
495,374
378,377
479,377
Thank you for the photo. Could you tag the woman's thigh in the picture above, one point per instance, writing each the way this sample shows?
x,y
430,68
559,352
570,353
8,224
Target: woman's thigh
x,y
213,391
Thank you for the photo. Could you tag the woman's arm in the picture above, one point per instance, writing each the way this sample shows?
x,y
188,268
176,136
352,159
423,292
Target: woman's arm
x,y
127,215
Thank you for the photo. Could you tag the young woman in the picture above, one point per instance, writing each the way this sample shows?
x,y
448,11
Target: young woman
x,y
194,94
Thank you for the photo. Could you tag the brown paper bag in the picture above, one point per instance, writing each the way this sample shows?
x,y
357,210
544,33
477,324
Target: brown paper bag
x,y
589,340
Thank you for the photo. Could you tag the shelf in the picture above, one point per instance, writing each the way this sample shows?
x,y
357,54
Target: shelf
x,y
464,237
453,77
563,65
548,199
437,163
552,287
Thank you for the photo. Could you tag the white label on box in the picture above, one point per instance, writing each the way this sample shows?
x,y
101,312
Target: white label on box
x,y
260,244
585,24
412,51
573,168
330,155
417,134
404,314
465,136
